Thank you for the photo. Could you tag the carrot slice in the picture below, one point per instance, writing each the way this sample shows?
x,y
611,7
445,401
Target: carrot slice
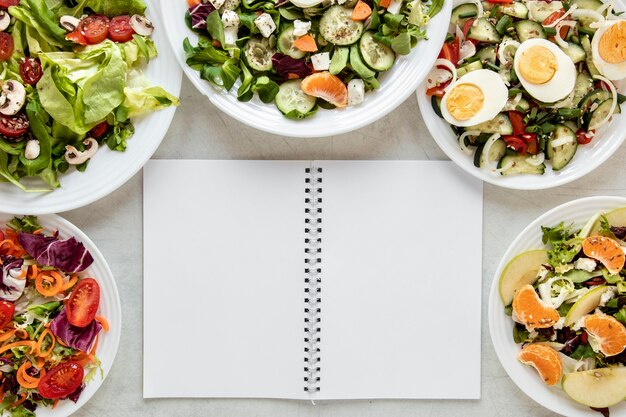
x,y
21,333
18,402
103,322
7,334
384,3
42,338
361,11
6,246
24,379
54,281
306,43
69,284
30,343
33,271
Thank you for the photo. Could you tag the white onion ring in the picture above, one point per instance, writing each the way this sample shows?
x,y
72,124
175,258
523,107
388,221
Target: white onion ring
x,y
467,50
613,97
503,47
558,37
437,76
481,10
565,16
536,160
465,134
449,65
562,141
506,167
487,148
592,14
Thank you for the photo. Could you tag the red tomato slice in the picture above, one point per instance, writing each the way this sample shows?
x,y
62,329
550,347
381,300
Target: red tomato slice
x,y
94,28
76,37
120,29
515,143
532,143
439,90
7,309
83,303
517,120
61,381
552,18
8,3
450,51
14,126
6,46
30,70
467,26
585,137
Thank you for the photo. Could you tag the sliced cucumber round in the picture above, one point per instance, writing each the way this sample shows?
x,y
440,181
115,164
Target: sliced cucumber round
x,y
527,29
562,154
377,56
259,54
483,30
337,26
285,43
540,10
599,114
596,96
290,97
462,12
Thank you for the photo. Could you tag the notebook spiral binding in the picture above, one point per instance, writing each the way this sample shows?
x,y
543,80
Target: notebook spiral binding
x,y
312,280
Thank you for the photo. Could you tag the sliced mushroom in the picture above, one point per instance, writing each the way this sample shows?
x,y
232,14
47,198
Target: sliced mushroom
x,y
75,157
5,20
14,97
32,149
69,23
141,25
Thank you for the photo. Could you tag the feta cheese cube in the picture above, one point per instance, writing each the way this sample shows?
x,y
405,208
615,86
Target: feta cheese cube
x,y
300,28
265,24
230,19
395,6
356,91
321,61
585,264
217,3
230,35
231,4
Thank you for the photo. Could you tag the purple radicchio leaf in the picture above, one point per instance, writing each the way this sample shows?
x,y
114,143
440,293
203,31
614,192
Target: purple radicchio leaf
x,y
80,338
68,255
76,394
285,65
10,288
199,14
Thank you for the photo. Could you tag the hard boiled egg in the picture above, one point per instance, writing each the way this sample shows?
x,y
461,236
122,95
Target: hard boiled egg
x,y
544,70
474,98
608,47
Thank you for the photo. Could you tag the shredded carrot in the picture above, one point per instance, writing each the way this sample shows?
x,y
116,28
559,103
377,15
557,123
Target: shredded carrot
x,y
24,379
22,274
6,246
30,343
95,346
22,333
38,231
104,322
55,403
384,3
361,11
69,284
192,3
306,43
54,281
40,363
42,338
18,402
33,271
7,334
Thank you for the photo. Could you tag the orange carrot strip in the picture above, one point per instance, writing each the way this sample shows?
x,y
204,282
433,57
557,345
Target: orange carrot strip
x,y
18,402
21,333
6,335
306,43
52,289
40,363
104,322
30,343
69,284
55,403
361,11
6,245
42,337
384,3
95,346
33,271
26,380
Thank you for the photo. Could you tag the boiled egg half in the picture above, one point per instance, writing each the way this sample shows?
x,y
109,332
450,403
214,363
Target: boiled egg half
x,y
544,70
476,97
608,47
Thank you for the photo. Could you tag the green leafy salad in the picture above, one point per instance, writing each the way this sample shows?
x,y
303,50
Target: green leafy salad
x,y
70,82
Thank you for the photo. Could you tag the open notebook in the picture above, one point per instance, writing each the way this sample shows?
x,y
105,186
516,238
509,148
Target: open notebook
x,y
311,280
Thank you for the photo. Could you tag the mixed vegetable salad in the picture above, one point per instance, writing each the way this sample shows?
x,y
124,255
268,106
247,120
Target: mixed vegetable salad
x,y
48,318
301,54
524,82
70,81
568,304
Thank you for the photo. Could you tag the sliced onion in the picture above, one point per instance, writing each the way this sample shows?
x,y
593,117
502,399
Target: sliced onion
x,y
506,167
592,14
467,50
481,10
487,147
613,97
536,160
502,49
608,6
465,134
565,16
558,37
459,34
449,65
562,141
437,77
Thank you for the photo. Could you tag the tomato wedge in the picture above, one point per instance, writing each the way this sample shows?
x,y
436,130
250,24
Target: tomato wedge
x,y
61,380
7,309
82,306
30,70
14,126
517,120
8,3
554,17
6,46
94,28
120,29
450,51
585,137
76,37
515,143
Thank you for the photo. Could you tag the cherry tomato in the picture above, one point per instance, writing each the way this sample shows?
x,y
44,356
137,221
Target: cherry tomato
x,y
467,26
61,380
83,303
8,3
554,17
585,137
7,309
532,143
14,126
30,70
76,37
120,29
450,51
517,120
601,84
6,46
439,90
515,143
99,130
94,28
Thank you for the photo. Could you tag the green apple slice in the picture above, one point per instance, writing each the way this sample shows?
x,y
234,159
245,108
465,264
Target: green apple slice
x,y
520,271
598,388
586,304
616,217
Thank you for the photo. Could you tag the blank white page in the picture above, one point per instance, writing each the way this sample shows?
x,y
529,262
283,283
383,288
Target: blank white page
x,y
223,279
401,280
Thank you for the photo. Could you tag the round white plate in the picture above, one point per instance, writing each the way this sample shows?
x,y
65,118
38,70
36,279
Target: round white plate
x,y
395,85
108,170
501,325
110,308
588,157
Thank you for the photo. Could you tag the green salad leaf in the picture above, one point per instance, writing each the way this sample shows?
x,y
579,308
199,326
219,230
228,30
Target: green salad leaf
x,y
118,7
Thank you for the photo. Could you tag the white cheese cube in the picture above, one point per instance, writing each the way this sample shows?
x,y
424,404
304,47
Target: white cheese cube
x,y
394,6
230,19
231,4
217,3
321,61
230,35
300,28
266,24
356,91
585,264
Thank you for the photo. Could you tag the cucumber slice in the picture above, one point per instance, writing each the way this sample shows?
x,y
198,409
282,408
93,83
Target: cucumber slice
x,y
472,66
540,10
520,166
339,60
484,31
285,43
496,152
516,9
488,54
499,124
523,105
290,97
596,96
600,113
462,12
377,56
435,102
337,26
259,54
584,84
585,22
586,44
357,64
561,155
575,52
527,29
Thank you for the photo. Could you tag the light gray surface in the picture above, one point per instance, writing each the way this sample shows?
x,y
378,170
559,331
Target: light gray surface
x,y
200,131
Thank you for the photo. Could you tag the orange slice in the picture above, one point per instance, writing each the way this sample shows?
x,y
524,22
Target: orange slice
x,y
544,359
605,250
326,86
608,331
531,311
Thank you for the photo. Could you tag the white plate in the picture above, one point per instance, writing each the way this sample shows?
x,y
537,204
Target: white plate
x,y
395,85
588,157
109,307
108,170
501,325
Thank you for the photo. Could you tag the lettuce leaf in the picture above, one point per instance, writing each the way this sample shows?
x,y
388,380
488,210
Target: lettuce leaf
x,y
117,7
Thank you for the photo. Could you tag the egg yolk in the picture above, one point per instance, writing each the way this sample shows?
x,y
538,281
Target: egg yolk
x,y
612,45
538,65
464,101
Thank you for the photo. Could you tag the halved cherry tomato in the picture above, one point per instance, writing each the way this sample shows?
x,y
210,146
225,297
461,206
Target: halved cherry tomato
x,y
439,90
532,143
450,51
94,28
6,46
8,3
467,26
585,137
82,306
61,380
515,143
517,120
7,309
120,29
14,126
76,37
99,130
1,236
30,70
554,17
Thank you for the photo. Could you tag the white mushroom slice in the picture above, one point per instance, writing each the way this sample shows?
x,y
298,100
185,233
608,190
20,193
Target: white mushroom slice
x,y
5,20
32,149
141,25
69,23
75,157
15,97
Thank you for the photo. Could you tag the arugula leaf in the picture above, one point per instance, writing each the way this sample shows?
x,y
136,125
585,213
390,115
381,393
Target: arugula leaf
x,y
27,224
621,315
583,351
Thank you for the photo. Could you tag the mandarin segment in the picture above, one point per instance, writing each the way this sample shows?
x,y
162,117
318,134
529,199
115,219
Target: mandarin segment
x,y
326,86
545,360
531,311
608,331
605,250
